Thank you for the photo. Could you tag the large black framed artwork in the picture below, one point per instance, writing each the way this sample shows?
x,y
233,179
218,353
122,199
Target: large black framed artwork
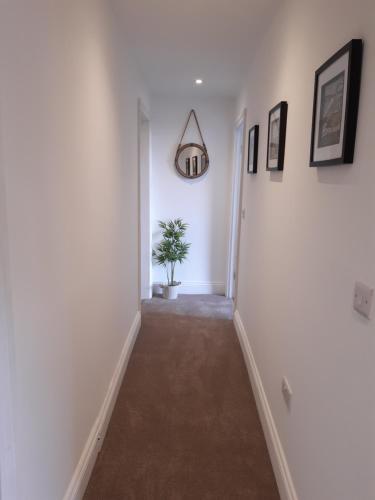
x,y
276,136
252,154
335,110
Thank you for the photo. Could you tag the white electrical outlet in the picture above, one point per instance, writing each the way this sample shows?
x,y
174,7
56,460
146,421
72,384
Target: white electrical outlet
x,y
99,441
287,391
363,299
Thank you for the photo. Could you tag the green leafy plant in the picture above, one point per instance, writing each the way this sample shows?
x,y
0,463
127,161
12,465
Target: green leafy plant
x,y
172,248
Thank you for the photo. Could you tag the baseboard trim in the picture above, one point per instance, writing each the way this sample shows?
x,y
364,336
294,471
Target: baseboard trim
x,y
277,455
146,293
92,447
196,288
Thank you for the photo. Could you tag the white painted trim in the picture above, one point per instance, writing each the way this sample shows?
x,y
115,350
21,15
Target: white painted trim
x,y
92,447
146,293
275,448
236,206
143,109
196,288
144,204
8,479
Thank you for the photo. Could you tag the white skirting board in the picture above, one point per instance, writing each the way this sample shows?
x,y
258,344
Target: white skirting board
x,y
86,463
277,455
196,288
146,293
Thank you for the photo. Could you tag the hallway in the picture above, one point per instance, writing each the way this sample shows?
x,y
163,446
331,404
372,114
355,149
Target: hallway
x,y
208,150
185,425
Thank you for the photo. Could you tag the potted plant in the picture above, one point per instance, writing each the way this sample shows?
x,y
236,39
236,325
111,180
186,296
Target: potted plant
x,y
169,251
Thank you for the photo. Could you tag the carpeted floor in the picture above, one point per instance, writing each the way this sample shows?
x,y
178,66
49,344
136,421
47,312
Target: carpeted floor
x,y
185,426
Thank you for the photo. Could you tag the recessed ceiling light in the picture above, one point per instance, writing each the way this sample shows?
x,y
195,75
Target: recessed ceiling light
x,y
199,81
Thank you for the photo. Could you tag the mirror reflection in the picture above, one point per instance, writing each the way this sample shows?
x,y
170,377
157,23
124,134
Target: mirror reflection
x,y
192,160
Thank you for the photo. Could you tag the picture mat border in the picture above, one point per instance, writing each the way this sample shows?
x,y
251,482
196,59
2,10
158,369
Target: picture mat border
x,y
339,67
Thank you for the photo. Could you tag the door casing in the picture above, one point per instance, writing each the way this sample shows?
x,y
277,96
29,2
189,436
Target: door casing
x,y
236,206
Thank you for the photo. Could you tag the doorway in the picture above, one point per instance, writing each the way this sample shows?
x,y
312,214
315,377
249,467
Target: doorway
x,y
235,218
144,194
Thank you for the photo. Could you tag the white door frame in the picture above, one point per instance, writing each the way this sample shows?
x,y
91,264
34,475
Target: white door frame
x,y
236,203
144,203
7,366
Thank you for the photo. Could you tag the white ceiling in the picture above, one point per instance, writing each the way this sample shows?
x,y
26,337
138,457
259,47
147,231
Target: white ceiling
x,y
176,41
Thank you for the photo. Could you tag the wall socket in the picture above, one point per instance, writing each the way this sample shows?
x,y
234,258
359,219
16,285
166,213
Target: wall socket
x,y
99,441
287,392
362,301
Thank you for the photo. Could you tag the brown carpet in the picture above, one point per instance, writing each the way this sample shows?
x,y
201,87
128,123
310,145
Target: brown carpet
x,y
185,426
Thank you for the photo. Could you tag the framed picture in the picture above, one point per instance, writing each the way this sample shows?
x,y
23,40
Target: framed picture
x,y
335,110
252,154
276,136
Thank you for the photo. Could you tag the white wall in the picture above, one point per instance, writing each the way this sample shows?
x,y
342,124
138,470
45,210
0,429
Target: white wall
x,y
204,202
308,235
68,114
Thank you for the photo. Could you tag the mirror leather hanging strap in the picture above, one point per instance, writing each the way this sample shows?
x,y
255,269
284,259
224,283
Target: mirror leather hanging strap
x,y
192,112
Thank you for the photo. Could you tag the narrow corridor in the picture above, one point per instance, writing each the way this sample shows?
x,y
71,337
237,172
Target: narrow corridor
x,y
185,425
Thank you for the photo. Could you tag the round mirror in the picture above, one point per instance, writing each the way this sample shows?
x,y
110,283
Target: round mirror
x,y
191,160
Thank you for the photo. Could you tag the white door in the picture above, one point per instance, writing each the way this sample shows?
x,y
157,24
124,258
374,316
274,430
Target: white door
x,y
235,222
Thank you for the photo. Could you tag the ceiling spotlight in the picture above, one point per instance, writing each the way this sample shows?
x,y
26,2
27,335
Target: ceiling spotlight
x,y
199,81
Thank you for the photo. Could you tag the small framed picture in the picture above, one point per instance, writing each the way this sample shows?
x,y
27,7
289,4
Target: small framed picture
x,y
276,136
252,154
335,109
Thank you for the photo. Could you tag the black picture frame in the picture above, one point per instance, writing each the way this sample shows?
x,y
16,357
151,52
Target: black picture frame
x,y
347,80
252,156
276,153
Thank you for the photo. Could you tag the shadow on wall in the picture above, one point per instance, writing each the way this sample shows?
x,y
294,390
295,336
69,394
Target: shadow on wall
x,y
277,176
339,174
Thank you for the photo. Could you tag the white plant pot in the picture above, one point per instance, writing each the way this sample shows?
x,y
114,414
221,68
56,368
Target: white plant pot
x,y
170,292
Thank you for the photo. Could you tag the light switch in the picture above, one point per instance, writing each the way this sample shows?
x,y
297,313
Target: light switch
x,y
363,299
